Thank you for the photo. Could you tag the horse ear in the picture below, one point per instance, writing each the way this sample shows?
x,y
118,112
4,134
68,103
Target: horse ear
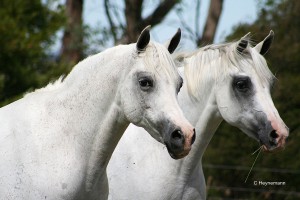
x,y
143,39
264,45
243,43
174,41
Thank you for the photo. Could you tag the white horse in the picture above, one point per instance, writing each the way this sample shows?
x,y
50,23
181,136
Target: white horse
x,y
228,82
55,143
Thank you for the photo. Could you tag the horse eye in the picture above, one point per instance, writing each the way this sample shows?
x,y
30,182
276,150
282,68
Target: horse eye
x,y
242,85
145,83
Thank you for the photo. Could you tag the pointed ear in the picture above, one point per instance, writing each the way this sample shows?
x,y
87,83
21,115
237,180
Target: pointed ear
x,y
143,39
174,41
243,43
264,45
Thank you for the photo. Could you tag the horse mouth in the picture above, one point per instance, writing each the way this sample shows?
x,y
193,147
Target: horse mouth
x,y
274,145
269,141
177,156
269,145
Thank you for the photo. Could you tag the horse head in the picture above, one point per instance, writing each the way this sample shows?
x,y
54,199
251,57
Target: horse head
x,y
150,98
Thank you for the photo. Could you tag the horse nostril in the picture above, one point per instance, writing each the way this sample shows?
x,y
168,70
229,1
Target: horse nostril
x,y
175,145
274,135
177,135
194,137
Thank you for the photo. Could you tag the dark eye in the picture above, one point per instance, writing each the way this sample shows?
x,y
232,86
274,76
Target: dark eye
x,y
145,83
242,84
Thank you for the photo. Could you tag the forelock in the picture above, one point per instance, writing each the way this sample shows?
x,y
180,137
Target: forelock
x,y
158,59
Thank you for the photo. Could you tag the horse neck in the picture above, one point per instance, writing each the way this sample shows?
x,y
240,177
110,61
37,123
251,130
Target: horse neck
x,y
112,128
204,115
92,94
92,87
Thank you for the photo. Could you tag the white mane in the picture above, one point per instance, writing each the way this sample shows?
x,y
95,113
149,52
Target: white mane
x,y
156,58
215,62
50,87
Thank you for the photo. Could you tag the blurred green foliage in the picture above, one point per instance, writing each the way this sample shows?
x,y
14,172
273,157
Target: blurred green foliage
x,y
231,147
27,29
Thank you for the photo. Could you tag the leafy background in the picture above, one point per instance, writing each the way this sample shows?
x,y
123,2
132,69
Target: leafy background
x,y
28,29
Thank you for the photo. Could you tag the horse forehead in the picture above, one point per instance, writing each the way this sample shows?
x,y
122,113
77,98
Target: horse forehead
x,y
160,62
249,66
255,74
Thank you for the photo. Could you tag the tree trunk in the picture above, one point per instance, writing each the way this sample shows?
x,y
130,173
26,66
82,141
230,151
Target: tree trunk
x,y
72,42
133,12
134,21
212,21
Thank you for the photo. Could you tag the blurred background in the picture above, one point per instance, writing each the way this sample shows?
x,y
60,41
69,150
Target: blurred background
x,y
43,39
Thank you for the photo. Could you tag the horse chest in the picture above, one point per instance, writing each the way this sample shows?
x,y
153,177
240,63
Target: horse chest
x,y
52,173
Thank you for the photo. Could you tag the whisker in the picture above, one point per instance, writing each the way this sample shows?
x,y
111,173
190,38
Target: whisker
x,y
260,148
257,150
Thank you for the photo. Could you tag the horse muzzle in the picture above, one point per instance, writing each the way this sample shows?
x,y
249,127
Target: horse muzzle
x,y
179,144
276,142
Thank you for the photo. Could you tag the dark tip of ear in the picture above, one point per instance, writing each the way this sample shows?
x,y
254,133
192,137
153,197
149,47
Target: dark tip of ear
x,y
242,45
267,43
143,39
174,41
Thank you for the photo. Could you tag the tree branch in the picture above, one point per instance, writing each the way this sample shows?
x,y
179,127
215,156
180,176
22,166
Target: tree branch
x,y
120,20
159,13
110,21
72,41
134,21
188,31
133,14
212,21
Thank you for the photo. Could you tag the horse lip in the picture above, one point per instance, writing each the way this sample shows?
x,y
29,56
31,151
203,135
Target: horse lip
x,y
177,156
273,146
272,150
173,156
266,147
